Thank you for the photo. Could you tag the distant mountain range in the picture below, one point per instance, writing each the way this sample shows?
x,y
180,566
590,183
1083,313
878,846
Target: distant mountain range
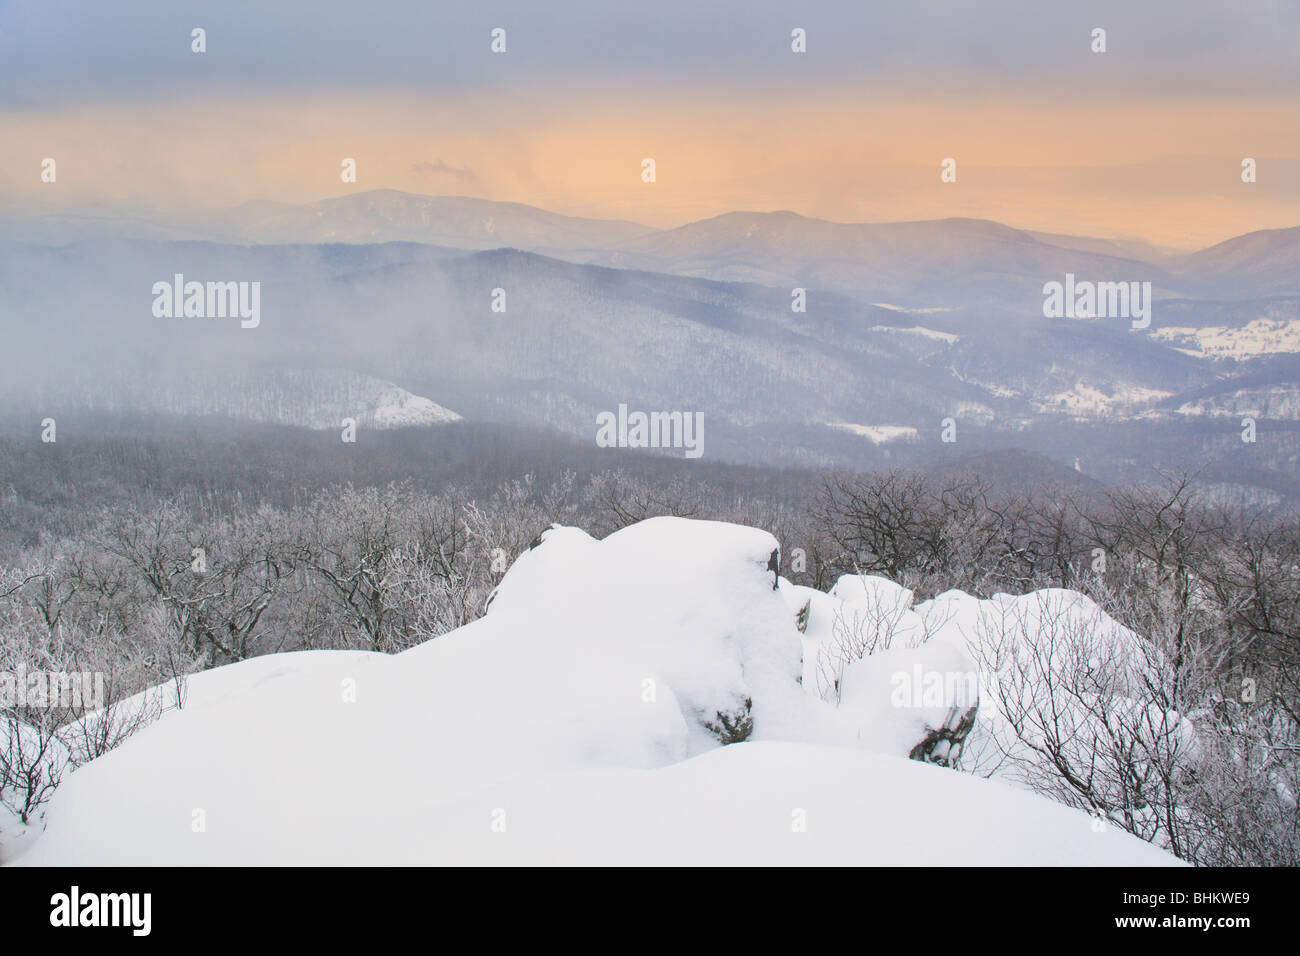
x,y
766,247
389,216
1265,262
906,325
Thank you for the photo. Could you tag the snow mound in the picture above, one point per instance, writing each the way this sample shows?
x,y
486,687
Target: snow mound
x,y
1060,629
865,650
633,700
728,649
1056,675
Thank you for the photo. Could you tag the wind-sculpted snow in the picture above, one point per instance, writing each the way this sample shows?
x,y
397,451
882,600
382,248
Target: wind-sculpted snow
x,y
639,699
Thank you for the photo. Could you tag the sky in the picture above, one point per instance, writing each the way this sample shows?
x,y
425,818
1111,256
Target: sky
x,y
1145,140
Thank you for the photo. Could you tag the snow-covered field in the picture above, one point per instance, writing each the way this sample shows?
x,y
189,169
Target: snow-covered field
x,y
1262,336
1092,401
658,697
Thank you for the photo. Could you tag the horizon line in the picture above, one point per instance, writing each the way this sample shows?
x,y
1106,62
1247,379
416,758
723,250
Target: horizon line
x,y
119,213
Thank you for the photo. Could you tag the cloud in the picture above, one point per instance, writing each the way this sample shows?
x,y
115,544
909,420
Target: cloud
x,y
1146,139
1181,48
1164,171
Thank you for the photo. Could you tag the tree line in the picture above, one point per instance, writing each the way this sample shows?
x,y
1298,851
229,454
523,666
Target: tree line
x,y
149,591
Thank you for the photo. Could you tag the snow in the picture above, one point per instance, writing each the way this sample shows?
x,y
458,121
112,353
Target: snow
x,y
397,408
1026,643
918,311
1279,402
581,720
879,434
865,650
946,337
1262,336
1088,401
20,741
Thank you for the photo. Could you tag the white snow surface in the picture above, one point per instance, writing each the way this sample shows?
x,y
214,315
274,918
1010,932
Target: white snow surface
x,y
946,337
879,434
397,408
569,726
1085,400
1261,336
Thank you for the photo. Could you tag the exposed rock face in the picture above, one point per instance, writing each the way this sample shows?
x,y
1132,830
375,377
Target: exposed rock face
x,y
801,617
943,745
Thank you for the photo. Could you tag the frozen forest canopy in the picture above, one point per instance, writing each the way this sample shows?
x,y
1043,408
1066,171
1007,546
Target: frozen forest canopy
x,y
1116,667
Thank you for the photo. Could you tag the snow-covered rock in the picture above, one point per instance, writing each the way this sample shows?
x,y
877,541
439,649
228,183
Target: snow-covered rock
x,y
1057,674
591,716
865,649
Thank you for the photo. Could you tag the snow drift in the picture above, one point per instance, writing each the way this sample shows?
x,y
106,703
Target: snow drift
x,y
652,698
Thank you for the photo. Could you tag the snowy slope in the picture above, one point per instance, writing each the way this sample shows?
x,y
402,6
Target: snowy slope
x,y
397,408
582,720
1258,337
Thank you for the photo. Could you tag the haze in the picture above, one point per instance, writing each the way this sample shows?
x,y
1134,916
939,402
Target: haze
x,y
1144,141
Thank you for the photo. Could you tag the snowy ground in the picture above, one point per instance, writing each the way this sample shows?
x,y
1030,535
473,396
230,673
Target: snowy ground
x,y
582,720
1262,336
